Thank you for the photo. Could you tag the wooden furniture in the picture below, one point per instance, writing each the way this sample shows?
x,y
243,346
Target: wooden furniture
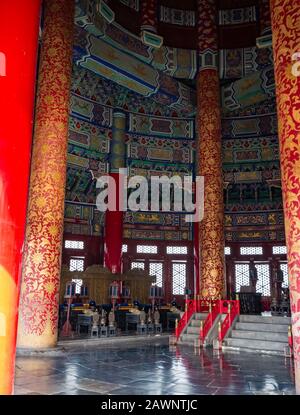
x,y
98,280
150,328
142,329
121,319
73,317
250,303
95,331
84,321
163,317
112,332
103,331
171,318
131,319
157,328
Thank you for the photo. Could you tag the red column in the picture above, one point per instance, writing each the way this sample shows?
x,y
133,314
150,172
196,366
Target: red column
x,y
209,153
286,47
196,260
149,15
114,219
39,297
18,51
113,235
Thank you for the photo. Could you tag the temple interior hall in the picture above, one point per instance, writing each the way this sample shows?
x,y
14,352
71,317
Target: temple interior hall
x,y
150,197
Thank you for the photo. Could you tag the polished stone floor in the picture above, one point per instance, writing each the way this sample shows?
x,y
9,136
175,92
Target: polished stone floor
x,y
153,369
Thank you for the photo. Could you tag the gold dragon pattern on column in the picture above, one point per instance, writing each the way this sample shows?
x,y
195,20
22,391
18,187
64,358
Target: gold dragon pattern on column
x,y
44,232
286,44
209,153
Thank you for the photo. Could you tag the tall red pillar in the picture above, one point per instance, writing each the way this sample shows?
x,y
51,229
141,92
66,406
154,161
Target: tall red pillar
x,y
209,154
196,260
18,57
114,219
39,297
286,47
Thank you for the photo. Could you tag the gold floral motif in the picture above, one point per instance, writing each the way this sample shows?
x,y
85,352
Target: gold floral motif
x,y
42,252
286,42
211,229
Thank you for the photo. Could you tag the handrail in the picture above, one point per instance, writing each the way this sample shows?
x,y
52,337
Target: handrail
x,y
182,323
232,308
196,305
213,312
213,308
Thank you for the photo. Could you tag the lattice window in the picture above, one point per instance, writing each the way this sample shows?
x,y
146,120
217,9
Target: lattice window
x,y
263,285
251,250
284,269
139,265
78,285
179,277
74,244
156,269
227,250
177,250
124,248
279,250
77,264
241,276
146,249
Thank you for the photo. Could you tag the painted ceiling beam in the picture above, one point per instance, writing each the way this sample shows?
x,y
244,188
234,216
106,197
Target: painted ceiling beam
x,y
100,57
176,62
253,89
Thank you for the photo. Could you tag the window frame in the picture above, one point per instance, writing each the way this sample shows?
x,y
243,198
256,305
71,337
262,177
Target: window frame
x,y
77,258
178,262
73,241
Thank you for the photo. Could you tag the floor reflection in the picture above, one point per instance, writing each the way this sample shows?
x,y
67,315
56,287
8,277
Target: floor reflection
x,y
154,369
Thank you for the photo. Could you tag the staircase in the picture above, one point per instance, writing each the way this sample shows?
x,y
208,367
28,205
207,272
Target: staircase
x,y
260,334
191,333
